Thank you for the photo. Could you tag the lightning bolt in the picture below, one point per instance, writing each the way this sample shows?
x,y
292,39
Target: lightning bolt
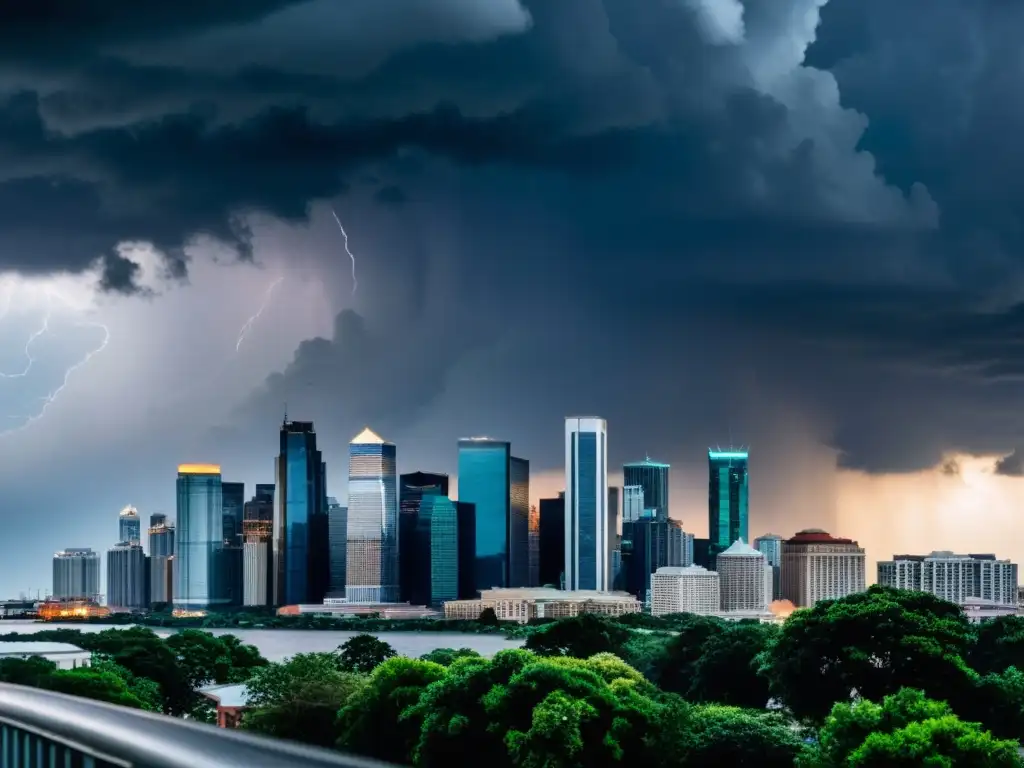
x,y
249,323
44,328
355,282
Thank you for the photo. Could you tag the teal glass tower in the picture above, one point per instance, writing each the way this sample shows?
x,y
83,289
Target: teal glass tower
x,y
652,476
727,499
200,539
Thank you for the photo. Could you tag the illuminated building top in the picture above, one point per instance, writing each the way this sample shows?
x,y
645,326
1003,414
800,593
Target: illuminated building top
x,y
368,437
129,511
199,469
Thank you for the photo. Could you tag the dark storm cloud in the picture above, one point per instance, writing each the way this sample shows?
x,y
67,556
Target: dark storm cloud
x,y
866,263
1011,465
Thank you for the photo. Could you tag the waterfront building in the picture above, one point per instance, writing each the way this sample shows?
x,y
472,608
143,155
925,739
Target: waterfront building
x,y
129,525
199,539
689,589
161,552
76,575
337,522
727,498
372,558
817,566
522,605
412,488
771,546
301,540
127,577
652,476
551,542
745,578
586,504
960,579
257,549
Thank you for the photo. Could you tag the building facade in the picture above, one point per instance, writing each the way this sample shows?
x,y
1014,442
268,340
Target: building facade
x,y
161,552
632,503
770,545
552,542
199,539
521,605
534,546
960,579
744,578
372,559
727,499
301,540
127,577
129,525
519,522
817,566
652,477
485,481
586,504
689,589
257,548
233,497
446,540
412,487
337,522
614,496
76,575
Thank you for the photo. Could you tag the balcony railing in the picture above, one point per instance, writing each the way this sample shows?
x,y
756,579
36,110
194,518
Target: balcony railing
x,y
40,729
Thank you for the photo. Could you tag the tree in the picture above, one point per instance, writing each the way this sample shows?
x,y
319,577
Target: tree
x,y
445,656
727,670
488,618
97,684
147,691
999,644
33,671
673,669
203,657
374,722
580,637
873,644
363,653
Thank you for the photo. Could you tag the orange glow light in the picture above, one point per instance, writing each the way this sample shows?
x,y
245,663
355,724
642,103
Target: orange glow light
x,y
199,469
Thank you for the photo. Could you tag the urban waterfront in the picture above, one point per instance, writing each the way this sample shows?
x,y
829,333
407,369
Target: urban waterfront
x,y
278,644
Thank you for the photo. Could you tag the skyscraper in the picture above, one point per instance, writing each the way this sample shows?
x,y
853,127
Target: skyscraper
x,y
301,528
76,574
632,503
771,546
519,523
412,488
234,501
818,566
372,558
485,481
586,504
534,546
129,525
257,557
552,541
161,550
337,522
745,578
652,476
446,541
613,535
727,499
200,539
127,577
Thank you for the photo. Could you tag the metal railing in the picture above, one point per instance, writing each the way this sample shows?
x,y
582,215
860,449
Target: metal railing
x,y
41,729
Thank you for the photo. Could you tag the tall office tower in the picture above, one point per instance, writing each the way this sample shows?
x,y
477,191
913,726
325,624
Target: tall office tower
x,y
652,476
534,546
337,522
727,499
690,589
127,577
161,550
960,579
586,504
412,487
485,482
76,574
745,578
129,525
771,545
199,539
446,558
632,503
301,529
234,502
552,542
371,565
257,548
816,566
519,522
613,532
640,540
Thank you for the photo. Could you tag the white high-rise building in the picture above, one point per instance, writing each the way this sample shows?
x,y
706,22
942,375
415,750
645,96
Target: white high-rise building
x,y
692,589
817,566
76,574
632,503
745,578
371,561
957,578
586,504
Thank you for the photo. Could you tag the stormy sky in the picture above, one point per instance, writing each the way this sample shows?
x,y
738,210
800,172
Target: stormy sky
x,y
789,224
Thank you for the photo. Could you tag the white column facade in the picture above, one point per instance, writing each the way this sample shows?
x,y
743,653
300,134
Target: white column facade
x,y
587,564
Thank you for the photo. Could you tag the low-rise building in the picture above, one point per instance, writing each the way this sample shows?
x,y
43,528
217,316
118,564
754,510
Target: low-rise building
x,y
692,589
522,605
64,655
340,608
231,701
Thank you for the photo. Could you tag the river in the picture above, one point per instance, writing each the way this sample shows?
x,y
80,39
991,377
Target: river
x,y
279,644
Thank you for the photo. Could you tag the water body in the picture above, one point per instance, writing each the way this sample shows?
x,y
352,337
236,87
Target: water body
x,y
279,644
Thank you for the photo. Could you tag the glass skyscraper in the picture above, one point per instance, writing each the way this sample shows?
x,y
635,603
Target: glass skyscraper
x,y
727,499
127,577
552,541
301,528
234,502
200,538
586,504
485,481
447,538
76,574
412,488
161,551
652,476
129,525
371,562
257,558
519,523
337,523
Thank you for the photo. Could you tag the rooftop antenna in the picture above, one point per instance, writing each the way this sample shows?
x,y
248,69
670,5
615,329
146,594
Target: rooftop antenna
x,y
285,414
